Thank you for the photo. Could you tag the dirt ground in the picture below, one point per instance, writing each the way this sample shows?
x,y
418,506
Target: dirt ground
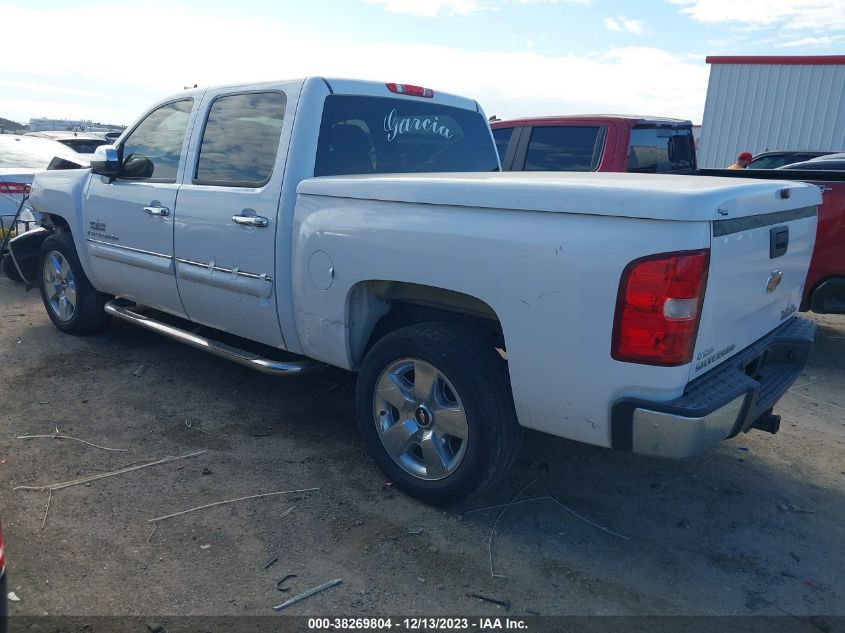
x,y
755,526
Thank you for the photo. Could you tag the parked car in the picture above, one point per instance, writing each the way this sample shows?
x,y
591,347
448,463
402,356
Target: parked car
x,y
824,163
20,158
776,159
632,311
595,143
80,142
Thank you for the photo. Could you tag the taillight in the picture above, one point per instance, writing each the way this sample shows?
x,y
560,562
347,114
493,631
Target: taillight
x,y
411,91
659,307
14,188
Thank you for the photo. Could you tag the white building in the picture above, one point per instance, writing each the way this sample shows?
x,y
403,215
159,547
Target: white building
x,y
81,125
756,104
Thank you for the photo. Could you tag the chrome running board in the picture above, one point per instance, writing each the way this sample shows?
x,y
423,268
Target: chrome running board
x,y
265,365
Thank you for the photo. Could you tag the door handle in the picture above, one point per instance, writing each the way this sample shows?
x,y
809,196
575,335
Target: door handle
x,y
250,220
161,212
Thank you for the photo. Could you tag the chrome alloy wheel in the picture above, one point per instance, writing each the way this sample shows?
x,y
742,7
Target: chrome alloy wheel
x,y
420,419
59,285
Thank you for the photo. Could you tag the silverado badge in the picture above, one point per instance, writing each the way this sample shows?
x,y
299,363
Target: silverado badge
x,y
773,281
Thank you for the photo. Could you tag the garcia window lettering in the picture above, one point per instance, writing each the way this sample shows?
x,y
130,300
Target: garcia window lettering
x,y
396,125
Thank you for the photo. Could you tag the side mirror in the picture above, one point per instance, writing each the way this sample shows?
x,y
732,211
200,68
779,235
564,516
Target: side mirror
x,y
105,161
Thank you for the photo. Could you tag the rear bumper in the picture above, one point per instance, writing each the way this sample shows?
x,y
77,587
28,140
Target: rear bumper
x,y
720,404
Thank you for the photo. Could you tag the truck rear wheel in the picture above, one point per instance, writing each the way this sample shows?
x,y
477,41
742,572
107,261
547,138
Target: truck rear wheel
x,y
72,303
434,406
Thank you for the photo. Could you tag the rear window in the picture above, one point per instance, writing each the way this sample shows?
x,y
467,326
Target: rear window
x,y
565,148
83,146
377,135
659,149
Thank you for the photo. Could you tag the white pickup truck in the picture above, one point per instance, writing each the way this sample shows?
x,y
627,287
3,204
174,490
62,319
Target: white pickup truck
x,y
653,314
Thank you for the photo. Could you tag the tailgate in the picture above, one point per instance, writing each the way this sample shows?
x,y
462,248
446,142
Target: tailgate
x,y
758,266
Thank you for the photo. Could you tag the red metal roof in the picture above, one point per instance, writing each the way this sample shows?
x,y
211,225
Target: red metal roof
x,y
794,60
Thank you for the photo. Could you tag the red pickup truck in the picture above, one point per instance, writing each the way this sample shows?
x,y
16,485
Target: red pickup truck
x,y
596,143
652,144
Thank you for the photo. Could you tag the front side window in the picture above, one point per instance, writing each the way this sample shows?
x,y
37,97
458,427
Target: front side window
x,y
661,149
153,149
241,140
565,148
378,135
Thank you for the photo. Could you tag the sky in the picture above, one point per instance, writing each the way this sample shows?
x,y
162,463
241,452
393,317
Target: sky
x,y
109,61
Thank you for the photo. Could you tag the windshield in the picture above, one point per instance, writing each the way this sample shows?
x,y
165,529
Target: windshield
x,y
377,135
29,152
661,149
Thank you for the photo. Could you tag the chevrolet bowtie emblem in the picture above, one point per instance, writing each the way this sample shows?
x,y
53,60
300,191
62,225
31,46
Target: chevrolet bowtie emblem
x,y
773,281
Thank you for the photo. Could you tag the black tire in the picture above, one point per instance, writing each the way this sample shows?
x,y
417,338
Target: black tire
x,y
9,269
475,377
88,315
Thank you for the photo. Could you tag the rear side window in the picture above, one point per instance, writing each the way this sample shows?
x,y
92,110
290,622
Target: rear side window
x,y
502,136
153,149
565,148
377,135
659,149
241,139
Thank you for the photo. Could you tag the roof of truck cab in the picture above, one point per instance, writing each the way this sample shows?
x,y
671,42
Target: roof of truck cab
x,y
631,119
339,85
652,196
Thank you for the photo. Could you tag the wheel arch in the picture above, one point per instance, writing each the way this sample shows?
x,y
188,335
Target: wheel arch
x,y
374,308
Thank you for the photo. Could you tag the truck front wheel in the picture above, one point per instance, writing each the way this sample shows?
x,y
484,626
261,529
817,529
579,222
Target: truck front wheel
x,y
72,303
434,406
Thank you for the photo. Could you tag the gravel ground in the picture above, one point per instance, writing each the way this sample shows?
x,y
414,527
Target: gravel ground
x,y
754,526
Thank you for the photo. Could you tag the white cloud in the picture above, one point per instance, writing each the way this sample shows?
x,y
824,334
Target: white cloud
x,y
825,40
622,24
220,50
17,86
435,8
815,15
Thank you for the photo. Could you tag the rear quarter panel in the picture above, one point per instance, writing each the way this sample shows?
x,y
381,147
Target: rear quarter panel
x,y
551,278
829,254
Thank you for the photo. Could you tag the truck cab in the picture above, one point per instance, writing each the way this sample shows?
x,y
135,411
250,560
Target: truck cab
x,y
596,143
